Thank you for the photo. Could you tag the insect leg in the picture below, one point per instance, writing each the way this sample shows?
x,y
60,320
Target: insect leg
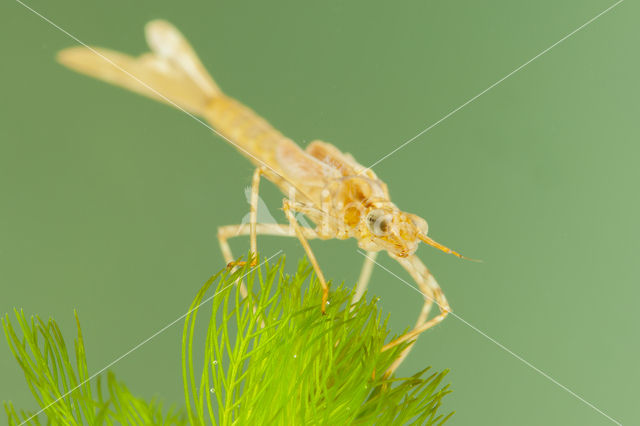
x,y
253,219
288,207
365,274
224,233
432,293
230,231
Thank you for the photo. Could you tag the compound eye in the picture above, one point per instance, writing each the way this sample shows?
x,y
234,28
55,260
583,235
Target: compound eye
x,y
379,222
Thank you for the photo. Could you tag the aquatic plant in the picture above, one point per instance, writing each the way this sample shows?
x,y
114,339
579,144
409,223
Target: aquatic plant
x,y
270,358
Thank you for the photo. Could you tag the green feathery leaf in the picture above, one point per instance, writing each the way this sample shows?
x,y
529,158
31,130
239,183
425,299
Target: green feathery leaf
x,y
270,358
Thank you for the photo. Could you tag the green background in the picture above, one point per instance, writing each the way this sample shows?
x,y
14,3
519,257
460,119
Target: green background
x,y
109,202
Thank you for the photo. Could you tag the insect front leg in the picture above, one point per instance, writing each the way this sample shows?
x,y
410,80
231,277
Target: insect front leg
x,y
432,293
230,231
288,208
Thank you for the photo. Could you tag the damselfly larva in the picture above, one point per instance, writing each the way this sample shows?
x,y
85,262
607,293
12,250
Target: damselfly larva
x,y
343,198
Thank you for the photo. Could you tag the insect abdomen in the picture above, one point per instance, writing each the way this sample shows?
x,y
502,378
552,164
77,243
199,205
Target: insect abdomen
x,y
245,128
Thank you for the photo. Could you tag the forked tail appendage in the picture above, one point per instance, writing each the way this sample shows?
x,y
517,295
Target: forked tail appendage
x,y
170,73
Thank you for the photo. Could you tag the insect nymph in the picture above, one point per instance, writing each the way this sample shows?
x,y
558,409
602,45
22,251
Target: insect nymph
x,y
343,198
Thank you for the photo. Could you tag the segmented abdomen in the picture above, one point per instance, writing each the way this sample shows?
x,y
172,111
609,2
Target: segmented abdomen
x,y
285,162
246,129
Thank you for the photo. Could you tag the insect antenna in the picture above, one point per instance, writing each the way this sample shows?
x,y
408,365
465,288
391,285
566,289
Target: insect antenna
x,y
444,248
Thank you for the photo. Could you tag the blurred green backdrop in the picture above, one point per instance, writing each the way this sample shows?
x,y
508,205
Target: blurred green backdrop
x,y
110,202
